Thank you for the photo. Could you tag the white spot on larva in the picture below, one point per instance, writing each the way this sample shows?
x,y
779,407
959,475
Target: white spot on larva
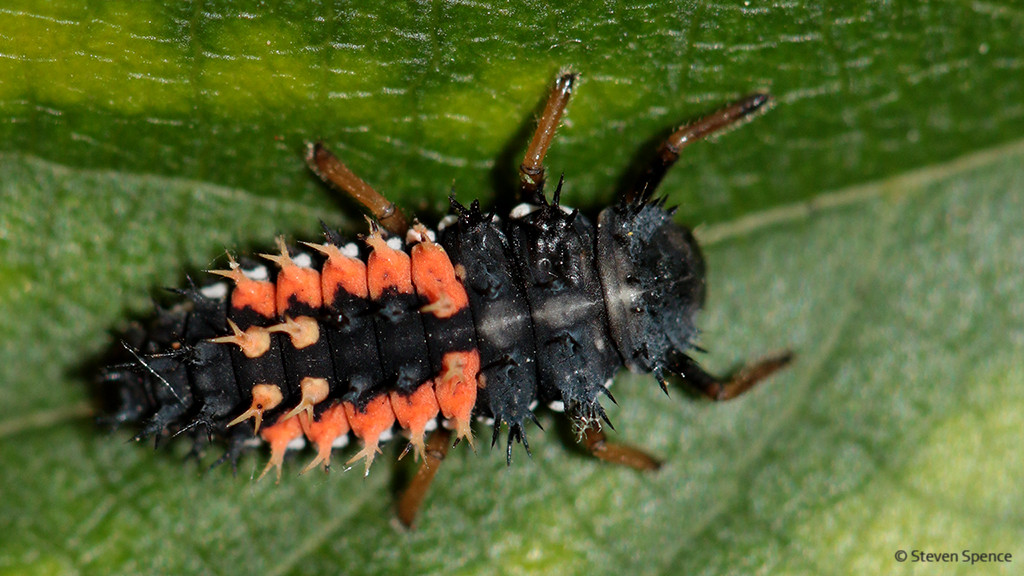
x,y
414,236
608,383
623,296
394,243
215,291
557,405
431,425
387,435
561,312
340,441
533,405
259,273
522,211
350,250
253,442
487,420
296,444
446,222
525,209
494,326
303,260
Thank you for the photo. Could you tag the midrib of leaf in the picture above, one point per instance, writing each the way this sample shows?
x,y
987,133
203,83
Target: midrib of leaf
x,y
45,419
898,185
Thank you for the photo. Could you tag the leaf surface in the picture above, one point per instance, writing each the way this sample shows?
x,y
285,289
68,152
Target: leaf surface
x,y
872,222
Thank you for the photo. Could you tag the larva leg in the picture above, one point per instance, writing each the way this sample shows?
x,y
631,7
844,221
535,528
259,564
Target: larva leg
x,y
620,454
695,377
721,389
332,171
412,498
668,153
531,171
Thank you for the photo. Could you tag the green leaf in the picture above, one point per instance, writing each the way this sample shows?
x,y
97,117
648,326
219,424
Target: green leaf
x,y
872,222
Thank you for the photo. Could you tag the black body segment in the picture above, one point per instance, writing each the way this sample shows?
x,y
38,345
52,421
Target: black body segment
x,y
403,345
453,334
653,277
313,361
554,253
210,364
266,369
214,381
351,332
501,315
353,342
306,355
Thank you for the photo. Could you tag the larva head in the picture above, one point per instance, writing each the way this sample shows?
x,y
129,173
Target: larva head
x,y
652,274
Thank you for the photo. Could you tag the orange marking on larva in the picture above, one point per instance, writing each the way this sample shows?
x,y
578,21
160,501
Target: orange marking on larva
x,y
254,342
386,267
255,294
332,424
314,391
456,390
264,397
294,281
369,424
443,307
341,272
434,278
279,436
413,412
302,331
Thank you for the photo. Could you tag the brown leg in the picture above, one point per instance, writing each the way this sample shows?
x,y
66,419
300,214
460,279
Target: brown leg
x,y
669,151
721,389
531,171
331,170
717,389
412,498
621,454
